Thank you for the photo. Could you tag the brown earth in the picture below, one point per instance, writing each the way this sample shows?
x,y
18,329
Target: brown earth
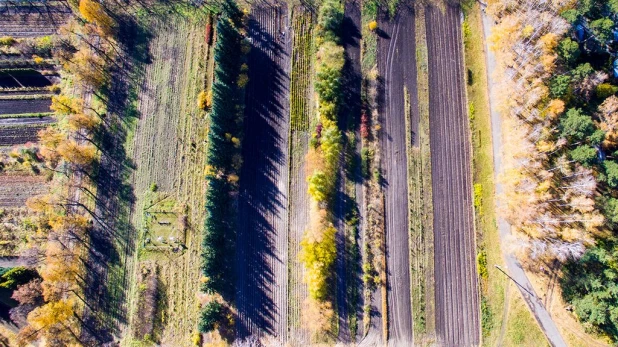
x,y
397,67
457,297
262,240
11,135
25,106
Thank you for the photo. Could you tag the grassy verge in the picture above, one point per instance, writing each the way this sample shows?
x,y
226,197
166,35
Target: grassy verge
x,y
519,330
26,115
492,282
420,195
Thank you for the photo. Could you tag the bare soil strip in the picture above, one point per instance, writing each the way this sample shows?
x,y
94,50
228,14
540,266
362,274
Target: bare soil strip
x,y
19,134
262,240
24,106
457,303
397,65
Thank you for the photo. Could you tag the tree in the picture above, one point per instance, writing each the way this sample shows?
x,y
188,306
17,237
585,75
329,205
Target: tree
x,y
94,12
17,276
605,90
88,69
330,17
318,254
611,171
585,155
568,51
608,117
210,316
602,29
84,121
318,186
576,125
590,285
29,293
560,86
78,154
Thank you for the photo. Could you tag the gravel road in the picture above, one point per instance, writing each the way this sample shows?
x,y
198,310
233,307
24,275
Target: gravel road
x,y
397,65
457,297
262,243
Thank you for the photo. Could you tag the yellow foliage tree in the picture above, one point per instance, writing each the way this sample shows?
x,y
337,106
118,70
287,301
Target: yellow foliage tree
x,y
79,121
318,254
373,25
94,12
76,153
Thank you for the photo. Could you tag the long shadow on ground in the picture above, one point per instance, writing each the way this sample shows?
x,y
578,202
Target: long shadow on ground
x,y
262,197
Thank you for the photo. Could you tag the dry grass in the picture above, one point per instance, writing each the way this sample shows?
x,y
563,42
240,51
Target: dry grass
x,y
519,332
168,148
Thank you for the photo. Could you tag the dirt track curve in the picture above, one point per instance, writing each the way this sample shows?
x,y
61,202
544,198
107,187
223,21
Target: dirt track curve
x,y
262,246
397,65
457,303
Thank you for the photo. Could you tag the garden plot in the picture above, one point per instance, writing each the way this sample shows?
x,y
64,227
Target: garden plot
x,y
164,226
21,106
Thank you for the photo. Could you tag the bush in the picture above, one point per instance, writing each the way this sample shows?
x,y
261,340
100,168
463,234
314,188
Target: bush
x,y
365,160
17,276
7,41
605,90
373,25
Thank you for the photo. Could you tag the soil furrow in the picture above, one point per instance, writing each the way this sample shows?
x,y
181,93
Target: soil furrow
x,y
262,239
457,310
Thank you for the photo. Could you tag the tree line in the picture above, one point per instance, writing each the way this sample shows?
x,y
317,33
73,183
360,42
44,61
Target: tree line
x,y
53,305
562,163
223,158
318,247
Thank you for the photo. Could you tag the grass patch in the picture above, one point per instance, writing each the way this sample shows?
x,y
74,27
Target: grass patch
x,y
420,193
522,329
492,283
300,82
27,115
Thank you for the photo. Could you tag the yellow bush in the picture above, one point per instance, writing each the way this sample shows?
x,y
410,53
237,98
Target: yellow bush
x,y
373,25
204,99
37,59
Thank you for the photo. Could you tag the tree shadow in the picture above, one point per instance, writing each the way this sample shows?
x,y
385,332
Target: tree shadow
x,y
261,200
113,240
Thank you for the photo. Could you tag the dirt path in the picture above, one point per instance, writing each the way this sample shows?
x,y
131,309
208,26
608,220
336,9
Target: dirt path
x,y
262,240
397,65
457,303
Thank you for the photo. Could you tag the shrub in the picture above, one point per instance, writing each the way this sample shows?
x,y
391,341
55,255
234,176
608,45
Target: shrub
x,y
202,100
7,41
373,25
605,90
